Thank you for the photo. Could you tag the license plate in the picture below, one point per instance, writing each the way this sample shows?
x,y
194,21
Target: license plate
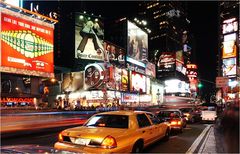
x,y
82,141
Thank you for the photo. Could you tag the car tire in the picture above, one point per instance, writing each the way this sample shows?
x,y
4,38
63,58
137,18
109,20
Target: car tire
x,y
181,130
167,135
137,147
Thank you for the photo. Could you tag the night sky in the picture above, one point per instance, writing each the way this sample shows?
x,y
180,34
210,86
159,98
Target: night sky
x,y
203,16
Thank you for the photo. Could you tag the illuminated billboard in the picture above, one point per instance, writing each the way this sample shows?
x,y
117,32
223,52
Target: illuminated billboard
x,y
26,45
176,86
151,69
166,61
179,57
137,42
229,67
229,49
115,54
138,82
89,34
124,80
94,75
72,81
230,25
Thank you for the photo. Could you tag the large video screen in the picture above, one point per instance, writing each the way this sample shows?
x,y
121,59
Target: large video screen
x,y
137,42
89,34
138,83
26,45
229,67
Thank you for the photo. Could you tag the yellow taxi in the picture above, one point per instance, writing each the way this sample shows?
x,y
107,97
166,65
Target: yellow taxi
x,y
115,131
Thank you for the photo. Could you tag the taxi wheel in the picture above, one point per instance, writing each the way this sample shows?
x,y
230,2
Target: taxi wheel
x,y
167,134
181,130
138,147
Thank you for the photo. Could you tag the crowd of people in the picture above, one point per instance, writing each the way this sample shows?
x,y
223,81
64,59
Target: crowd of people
x,y
65,104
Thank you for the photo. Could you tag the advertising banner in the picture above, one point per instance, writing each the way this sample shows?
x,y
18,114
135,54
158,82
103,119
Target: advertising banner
x,y
94,76
138,83
72,82
129,98
151,69
26,46
89,34
229,67
137,42
230,25
124,80
180,67
176,86
115,54
229,49
179,57
166,61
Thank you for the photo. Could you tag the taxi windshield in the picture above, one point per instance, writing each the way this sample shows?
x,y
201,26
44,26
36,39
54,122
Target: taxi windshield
x,y
112,121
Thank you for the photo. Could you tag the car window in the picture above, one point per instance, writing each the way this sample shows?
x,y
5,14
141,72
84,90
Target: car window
x,y
154,119
112,121
186,110
173,114
143,120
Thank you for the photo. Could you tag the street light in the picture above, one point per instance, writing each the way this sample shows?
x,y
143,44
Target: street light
x,y
158,97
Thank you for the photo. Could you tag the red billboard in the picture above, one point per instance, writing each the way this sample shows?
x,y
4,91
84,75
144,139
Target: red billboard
x,y
26,45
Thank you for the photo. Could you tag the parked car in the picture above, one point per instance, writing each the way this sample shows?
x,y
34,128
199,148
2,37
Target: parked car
x,y
192,114
175,117
113,132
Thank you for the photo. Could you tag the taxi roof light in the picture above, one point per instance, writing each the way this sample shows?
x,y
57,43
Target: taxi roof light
x,y
109,142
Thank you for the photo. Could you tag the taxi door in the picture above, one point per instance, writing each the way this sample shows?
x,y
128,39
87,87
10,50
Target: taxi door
x,y
146,130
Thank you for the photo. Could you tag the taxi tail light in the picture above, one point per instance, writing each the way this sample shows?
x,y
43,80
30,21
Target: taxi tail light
x,y
60,137
173,122
109,142
176,123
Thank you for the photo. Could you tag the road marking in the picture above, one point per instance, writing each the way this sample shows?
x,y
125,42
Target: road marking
x,y
204,142
198,140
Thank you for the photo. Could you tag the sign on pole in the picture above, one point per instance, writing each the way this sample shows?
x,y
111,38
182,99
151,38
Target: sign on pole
x,y
221,82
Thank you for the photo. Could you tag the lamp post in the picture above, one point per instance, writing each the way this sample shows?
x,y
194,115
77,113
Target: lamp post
x,y
158,97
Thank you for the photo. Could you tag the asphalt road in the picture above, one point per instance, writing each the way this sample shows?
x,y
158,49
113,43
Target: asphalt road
x,y
178,142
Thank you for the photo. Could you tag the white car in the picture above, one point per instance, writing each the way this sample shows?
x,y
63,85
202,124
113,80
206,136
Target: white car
x,y
209,114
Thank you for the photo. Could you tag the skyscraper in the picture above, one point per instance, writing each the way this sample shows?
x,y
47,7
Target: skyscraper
x,y
169,41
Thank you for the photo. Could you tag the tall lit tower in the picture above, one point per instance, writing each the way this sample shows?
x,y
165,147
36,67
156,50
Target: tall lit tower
x,y
229,41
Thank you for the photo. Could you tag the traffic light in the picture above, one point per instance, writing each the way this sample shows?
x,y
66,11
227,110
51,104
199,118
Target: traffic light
x,y
200,85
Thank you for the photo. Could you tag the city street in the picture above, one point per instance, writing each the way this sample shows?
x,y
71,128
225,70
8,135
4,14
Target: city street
x,y
178,142
119,76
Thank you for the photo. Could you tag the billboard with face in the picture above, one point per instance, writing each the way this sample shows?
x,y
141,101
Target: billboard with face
x,y
137,42
115,54
26,45
89,34
229,67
